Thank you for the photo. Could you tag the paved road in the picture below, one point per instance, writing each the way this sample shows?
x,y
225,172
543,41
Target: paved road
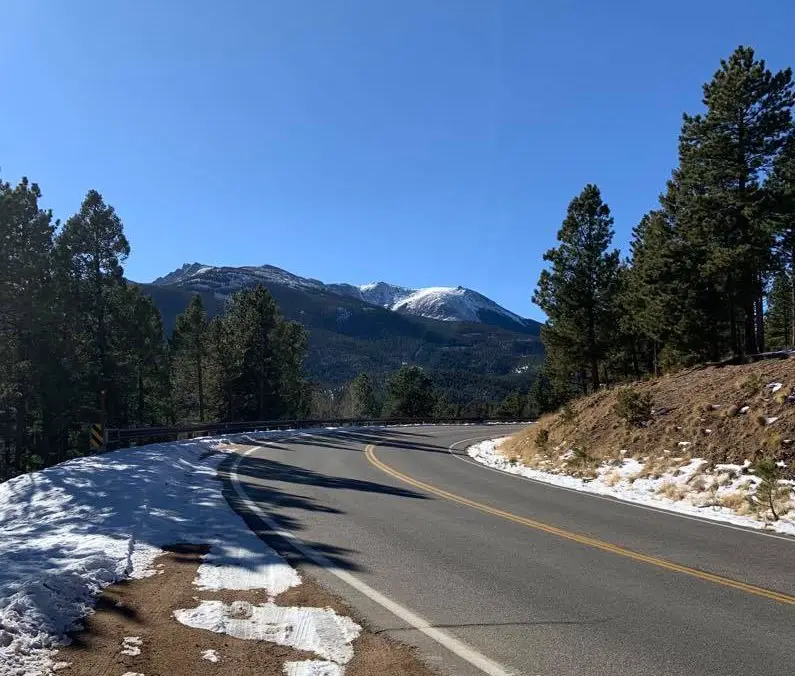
x,y
517,570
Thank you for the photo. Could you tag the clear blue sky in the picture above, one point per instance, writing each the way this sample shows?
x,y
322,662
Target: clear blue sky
x,y
421,142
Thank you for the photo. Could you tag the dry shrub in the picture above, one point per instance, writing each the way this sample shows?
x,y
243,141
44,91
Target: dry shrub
x,y
736,500
567,413
542,439
654,468
612,478
772,441
698,482
672,490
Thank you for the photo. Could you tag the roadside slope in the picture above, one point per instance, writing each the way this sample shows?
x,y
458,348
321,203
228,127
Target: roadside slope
x,y
698,443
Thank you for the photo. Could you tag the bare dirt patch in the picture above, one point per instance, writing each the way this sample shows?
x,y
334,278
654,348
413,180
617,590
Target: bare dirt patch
x,y
143,609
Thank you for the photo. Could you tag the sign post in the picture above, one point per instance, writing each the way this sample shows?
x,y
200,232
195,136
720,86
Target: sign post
x,y
96,437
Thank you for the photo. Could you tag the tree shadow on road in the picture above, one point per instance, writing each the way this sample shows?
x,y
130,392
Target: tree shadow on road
x,y
256,477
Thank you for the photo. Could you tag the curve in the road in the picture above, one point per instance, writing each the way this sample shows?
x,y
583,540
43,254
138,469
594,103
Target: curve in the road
x,y
459,648
610,498
576,537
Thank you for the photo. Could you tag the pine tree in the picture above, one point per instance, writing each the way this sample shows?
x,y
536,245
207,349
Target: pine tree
x,y
781,189
190,344
138,334
579,292
778,318
363,397
259,359
295,394
27,322
410,394
511,407
768,492
90,251
717,199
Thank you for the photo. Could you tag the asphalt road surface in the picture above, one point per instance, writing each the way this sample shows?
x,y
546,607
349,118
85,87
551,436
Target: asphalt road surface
x,y
530,578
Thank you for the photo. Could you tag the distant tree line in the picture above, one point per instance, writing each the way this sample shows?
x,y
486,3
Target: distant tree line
x,y
710,272
411,392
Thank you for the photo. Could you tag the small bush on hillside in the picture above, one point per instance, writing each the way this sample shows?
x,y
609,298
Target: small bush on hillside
x,y
542,439
580,458
751,384
772,441
768,492
633,407
567,413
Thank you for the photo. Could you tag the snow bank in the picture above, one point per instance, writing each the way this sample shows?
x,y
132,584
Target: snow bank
x,y
318,630
619,481
312,668
69,531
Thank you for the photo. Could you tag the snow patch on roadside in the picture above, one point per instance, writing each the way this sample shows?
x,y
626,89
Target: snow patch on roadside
x,y
621,481
131,645
318,630
210,655
69,531
236,566
312,668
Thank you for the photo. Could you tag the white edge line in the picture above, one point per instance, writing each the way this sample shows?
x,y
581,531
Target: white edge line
x,y
476,659
660,510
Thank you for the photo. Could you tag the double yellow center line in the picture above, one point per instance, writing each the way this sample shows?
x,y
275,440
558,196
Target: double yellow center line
x,y
369,452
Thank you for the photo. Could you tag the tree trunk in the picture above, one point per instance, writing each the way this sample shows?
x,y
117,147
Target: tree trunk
x,y
792,296
655,362
760,319
736,346
199,379
594,373
750,326
140,413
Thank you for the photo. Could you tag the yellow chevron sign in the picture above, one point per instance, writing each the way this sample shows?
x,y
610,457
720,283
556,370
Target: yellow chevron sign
x,y
96,439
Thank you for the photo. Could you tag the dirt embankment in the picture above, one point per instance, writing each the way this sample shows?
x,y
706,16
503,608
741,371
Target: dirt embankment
x,y
722,414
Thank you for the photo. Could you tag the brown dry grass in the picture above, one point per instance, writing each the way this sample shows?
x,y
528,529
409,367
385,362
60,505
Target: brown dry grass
x,y
672,491
700,406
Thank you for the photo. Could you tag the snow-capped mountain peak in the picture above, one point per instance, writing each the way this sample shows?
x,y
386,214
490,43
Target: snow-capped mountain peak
x,y
445,303
452,304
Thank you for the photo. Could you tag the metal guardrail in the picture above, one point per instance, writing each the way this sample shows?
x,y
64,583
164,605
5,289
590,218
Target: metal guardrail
x,y
121,437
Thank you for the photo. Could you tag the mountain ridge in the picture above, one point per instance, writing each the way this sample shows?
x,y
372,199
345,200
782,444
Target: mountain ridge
x,y
449,304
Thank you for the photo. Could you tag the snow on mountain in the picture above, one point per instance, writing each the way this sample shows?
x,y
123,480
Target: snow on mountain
x,y
450,304
224,280
375,293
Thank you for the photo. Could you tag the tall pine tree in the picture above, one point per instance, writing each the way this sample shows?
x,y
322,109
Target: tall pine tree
x,y
363,402
190,356
717,200
578,292
27,322
90,251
